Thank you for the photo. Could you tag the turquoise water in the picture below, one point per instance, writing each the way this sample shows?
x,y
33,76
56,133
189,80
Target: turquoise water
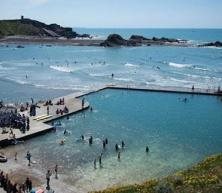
x,y
86,68
178,134
196,35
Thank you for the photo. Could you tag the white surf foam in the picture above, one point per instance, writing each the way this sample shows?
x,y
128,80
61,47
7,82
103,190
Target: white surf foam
x,y
131,65
61,68
17,81
177,65
202,69
123,79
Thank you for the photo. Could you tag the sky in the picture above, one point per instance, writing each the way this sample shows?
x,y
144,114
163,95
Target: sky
x,y
118,13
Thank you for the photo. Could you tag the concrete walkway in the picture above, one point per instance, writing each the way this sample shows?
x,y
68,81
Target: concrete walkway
x,y
38,123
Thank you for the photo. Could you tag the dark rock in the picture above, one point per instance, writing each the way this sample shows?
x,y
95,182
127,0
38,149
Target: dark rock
x,y
138,38
114,40
19,46
165,40
84,36
216,44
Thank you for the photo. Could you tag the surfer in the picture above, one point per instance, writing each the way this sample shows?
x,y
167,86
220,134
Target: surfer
x,y
147,149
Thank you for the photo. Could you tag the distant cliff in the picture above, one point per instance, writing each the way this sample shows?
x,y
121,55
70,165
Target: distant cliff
x,y
29,27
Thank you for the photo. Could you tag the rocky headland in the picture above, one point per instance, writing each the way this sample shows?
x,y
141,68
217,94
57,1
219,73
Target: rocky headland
x,y
29,27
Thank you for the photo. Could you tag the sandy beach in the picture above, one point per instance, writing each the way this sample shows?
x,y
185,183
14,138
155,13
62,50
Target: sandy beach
x,y
50,41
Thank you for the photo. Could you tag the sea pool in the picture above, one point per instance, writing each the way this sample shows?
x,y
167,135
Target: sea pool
x,y
178,134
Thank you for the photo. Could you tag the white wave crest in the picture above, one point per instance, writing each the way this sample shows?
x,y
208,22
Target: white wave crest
x,y
131,65
61,68
123,79
177,65
202,69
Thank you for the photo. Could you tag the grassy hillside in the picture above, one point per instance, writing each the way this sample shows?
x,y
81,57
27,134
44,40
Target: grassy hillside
x,y
29,27
205,177
15,27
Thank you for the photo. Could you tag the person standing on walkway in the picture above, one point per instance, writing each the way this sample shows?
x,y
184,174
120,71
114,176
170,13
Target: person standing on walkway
x,y
83,102
48,175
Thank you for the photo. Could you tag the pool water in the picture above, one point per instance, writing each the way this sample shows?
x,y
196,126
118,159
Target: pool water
x,y
178,134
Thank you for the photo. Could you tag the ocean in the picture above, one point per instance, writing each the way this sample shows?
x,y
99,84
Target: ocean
x,y
38,69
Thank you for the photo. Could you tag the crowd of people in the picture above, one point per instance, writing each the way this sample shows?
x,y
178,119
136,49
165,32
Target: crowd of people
x,y
12,119
12,187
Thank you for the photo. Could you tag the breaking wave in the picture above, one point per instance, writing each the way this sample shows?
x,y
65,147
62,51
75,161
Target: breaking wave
x,y
61,68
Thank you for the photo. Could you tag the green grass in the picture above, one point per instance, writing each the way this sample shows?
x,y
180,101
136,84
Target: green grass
x,y
15,27
205,177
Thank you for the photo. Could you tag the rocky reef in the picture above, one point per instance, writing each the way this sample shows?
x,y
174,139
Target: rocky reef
x,y
215,44
115,40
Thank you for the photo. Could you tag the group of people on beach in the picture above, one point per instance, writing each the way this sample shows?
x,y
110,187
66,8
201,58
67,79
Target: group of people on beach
x,y
62,111
11,187
12,119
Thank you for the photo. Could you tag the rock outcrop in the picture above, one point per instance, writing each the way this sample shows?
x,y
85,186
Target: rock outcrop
x,y
114,40
216,44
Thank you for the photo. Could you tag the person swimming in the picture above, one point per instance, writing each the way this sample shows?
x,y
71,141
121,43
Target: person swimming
x,y
100,160
62,142
116,147
90,140
94,163
123,144
104,144
118,156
